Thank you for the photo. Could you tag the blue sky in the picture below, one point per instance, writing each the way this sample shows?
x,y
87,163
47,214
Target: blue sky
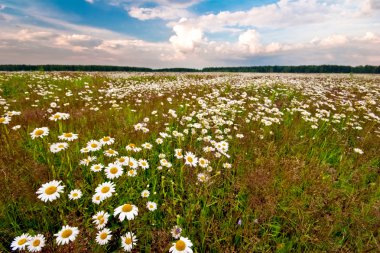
x,y
190,33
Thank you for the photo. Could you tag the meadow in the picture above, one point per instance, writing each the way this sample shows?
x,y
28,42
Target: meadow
x,y
217,162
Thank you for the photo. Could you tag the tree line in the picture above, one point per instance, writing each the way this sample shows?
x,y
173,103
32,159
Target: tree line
x,y
251,69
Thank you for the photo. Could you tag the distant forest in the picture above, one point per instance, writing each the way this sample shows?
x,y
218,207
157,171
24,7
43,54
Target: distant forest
x,y
252,69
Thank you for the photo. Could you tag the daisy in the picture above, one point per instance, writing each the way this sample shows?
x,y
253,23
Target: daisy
x,y
178,153
94,145
131,147
227,165
5,120
133,163
113,170
84,150
128,241
57,147
39,132
107,140
50,191
147,145
68,136
105,190
143,164
122,160
36,243
145,193
151,205
66,234
128,211
359,151
75,194
96,167
103,236
110,153
96,198
182,246
203,162
100,219
132,173
20,242
202,177
87,160
191,159
176,232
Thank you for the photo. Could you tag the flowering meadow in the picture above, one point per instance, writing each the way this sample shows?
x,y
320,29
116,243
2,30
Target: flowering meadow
x,y
161,162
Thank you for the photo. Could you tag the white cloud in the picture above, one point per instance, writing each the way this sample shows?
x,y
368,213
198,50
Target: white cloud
x,y
186,38
90,1
2,7
166,13
250,40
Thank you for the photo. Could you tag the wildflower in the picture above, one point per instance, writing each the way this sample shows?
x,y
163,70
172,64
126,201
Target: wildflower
x,y
176,232
178,153
133,163
190,159
96,167
103,236
50,191
57,147
110,153
16,127
202,177
87,160
145,193
151,205
66,234
182,246
132,173
105,190
159,141
227,165
39,132
128,241
20,242
75,194
84,150
68,136
203,162
147,145
107,140
143,164
100,219
358,150
59,116
128,211
94,145
96,198
36,243
113,170
5,120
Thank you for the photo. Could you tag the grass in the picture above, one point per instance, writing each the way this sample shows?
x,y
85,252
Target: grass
x,y
295,183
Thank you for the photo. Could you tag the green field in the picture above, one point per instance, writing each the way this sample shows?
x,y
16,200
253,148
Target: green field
x,y
238,162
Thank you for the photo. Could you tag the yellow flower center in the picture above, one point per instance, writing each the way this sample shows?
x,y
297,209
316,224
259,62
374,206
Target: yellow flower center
x,y
22,241
190,159
105,189
114,170
56,116
36,243
103,236
94,145
68,135
61,146
66,233
2,120
106,139
180,245
97,197
127,208
131,145
101,220
50,190
39,132
128,240
121,160
130,164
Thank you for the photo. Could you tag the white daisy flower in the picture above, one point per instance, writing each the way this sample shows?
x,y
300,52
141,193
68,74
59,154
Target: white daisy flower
x,y
66,234
68,136
191,159
20,242
94,145
100,219
39,132
105,190
75,194
36,243
96,167
151,205
143,164
50,191
128,241
145,193
182,246
128,211
103,236
113,170
107,140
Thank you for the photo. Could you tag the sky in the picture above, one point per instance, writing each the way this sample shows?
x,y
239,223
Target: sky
x,y
190,33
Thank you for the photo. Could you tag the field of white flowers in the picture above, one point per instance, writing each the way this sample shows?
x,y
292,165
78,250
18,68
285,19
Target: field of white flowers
x,y
94,162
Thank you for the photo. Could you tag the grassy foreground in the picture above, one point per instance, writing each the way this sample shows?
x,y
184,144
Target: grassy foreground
x,y
239,162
